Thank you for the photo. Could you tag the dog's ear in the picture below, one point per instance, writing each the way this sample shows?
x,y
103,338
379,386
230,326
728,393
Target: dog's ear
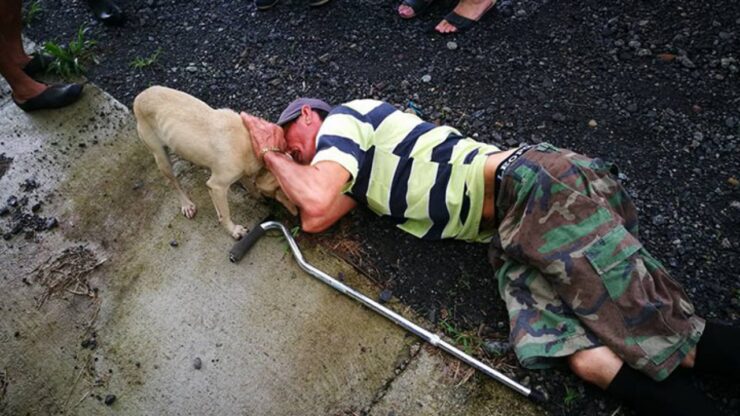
x,y
268,185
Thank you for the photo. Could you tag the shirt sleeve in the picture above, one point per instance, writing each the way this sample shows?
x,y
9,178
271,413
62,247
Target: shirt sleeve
x,y
340,139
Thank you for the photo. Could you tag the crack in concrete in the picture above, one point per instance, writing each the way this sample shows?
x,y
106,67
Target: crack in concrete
x,y
414,351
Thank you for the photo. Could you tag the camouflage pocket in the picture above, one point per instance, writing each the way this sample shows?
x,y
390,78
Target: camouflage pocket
x,y
611,251
616,259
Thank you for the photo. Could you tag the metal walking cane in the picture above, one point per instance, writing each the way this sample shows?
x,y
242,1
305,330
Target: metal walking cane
x,y
243,245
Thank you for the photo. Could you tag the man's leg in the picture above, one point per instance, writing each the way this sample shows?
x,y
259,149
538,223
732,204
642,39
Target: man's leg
x,y
574,222
718,351
674,396
12,56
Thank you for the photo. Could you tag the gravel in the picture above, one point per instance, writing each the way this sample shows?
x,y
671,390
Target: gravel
x,y
651,73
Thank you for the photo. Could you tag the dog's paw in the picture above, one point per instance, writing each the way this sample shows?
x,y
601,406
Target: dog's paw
x,y
238,232
189,210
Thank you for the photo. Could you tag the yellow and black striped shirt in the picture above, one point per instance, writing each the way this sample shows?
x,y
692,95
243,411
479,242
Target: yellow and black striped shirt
x,y
428,178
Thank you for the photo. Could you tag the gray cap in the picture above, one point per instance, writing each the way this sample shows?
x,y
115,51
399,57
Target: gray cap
x,y
293,110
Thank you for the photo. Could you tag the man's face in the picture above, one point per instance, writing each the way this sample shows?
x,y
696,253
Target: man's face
x,y
300,136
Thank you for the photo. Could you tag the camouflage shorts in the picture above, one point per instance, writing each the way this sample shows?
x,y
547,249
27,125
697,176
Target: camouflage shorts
x,y
572,272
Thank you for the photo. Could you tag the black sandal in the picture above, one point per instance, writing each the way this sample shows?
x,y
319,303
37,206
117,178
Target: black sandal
x,y
107,12
317,3
264,4
462,23
55,96
418,6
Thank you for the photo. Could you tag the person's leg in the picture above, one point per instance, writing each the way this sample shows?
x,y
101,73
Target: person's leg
x,y
468,9
572,220
28,94
718,351
674,396
12,56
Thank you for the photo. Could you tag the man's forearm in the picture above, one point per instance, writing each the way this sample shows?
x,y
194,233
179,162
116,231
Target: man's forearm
x,y
295,179
316,190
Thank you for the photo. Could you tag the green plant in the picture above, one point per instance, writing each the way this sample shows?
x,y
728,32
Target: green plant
x,y
467,341
70,60
571,396
32,12
144,62
294,233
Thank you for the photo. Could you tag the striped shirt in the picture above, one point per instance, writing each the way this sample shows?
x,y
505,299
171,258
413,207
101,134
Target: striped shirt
x,y
427,178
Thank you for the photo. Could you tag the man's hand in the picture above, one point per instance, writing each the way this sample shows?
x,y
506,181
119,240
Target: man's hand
x,y
265,136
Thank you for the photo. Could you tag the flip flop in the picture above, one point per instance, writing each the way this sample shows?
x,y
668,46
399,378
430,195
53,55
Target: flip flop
x,y
462,23
418,6
264,4
317,3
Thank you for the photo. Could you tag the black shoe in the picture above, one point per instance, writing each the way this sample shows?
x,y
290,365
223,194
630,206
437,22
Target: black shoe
x,y
38,64
54,96
107,12
317,3
264,4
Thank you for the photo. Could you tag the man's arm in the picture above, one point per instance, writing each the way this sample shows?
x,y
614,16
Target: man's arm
x,y
316,190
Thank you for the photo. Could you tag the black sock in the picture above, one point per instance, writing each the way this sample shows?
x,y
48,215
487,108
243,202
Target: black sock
x,y
718,350
674,396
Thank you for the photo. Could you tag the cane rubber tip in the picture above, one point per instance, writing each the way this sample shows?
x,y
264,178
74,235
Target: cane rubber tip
x,y
537,396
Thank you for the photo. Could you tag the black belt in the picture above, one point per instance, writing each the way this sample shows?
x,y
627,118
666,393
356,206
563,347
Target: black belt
x,y
501,168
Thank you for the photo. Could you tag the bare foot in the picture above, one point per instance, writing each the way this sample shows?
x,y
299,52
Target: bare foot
x,y
27,90
470,9
407,12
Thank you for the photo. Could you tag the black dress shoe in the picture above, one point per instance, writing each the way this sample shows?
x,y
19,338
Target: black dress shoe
x,y
264,4
38,64
54,96
107,12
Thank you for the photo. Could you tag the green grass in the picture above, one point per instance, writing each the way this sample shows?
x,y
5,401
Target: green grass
x,y
466,340
145,62
70,60
32,13
571,396
294,233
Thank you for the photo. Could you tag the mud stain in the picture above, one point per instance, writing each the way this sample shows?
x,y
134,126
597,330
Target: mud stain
x,y
4,164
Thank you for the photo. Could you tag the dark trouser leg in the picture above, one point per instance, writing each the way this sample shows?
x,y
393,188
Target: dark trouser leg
x,y
718,350
674,396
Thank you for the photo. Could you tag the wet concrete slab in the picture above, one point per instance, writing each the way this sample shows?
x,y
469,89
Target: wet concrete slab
x,y
128,298
436,384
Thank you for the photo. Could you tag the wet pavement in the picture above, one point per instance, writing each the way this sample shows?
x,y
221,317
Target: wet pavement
x,y
127,307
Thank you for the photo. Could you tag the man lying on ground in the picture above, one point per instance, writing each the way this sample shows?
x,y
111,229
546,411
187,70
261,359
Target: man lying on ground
x,y
576,281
